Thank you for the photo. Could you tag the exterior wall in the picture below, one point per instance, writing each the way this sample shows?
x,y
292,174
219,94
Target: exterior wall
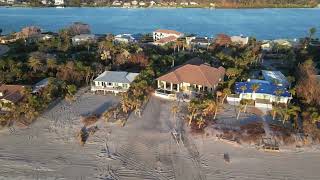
x,y
269,97
159,35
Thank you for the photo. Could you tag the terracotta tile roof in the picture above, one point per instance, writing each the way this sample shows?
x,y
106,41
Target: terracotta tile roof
x,y
203,74
166,40
11,92
223,39
168,31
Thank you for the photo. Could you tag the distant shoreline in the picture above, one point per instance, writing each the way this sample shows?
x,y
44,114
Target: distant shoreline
x,y
166,7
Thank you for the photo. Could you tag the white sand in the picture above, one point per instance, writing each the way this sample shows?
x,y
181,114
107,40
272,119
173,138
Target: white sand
x,y
143,149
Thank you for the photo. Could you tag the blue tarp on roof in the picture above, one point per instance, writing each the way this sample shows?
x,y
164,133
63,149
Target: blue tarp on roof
x,y
265,87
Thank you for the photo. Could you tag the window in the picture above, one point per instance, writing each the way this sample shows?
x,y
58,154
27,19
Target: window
x,y
109,84
125,86
116,85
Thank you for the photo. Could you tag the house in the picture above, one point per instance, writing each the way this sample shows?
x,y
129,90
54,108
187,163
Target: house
x,y
10,95
113,81
265,94
83,38
165,40
223,40
40,85
116,3
126,4
240,40
58,2
28,32
266,46
200,42
134,3
141,3
189,79
193,3
11,1
184,4
152,3
164,33
275,77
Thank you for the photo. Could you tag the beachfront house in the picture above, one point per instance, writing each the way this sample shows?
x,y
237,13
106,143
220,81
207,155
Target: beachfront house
x,y
276,78
58,2
83,38
116,3
9,96
127,38
200,42
164,33
240,40
223,40
113,81
262,92
141,3
189,79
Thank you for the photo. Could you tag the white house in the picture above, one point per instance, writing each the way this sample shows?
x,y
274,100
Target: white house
x,y
164,33
113,81
184,3
240,40
58,2
124,38
265,94
141,3
83,38
193,3
134,3
117,3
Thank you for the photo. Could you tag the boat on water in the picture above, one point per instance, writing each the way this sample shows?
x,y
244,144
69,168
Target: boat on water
x,y
58,7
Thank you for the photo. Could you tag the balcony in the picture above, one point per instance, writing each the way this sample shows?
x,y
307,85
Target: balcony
x,y
117,89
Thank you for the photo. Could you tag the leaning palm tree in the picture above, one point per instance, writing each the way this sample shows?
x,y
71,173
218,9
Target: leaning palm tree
x,y
200,122
254,88
174,110
226,92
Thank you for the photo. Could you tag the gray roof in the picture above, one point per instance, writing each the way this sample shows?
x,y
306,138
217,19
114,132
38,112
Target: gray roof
x,y
117,76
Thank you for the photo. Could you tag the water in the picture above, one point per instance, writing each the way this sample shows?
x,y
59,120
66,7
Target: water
x,y
261,23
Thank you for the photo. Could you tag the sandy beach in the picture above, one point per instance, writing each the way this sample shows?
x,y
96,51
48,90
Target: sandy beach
x,y
143,149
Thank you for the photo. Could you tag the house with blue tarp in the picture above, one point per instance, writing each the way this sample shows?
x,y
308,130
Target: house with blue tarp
x,y
264,95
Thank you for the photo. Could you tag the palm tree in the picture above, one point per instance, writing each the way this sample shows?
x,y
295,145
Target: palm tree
x,y
243,88
210,108
35,64
278,93
312,32
174,110
226,92
200,122
291,111
193,111
51,63
241,107
254,88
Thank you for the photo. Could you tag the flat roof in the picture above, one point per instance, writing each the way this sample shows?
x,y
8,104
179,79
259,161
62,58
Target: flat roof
x,y
265,87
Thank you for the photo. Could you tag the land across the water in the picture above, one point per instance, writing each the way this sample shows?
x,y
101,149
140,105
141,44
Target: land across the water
x,y
260,23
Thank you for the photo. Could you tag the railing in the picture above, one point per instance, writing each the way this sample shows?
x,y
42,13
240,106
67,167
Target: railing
x,y
101,88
